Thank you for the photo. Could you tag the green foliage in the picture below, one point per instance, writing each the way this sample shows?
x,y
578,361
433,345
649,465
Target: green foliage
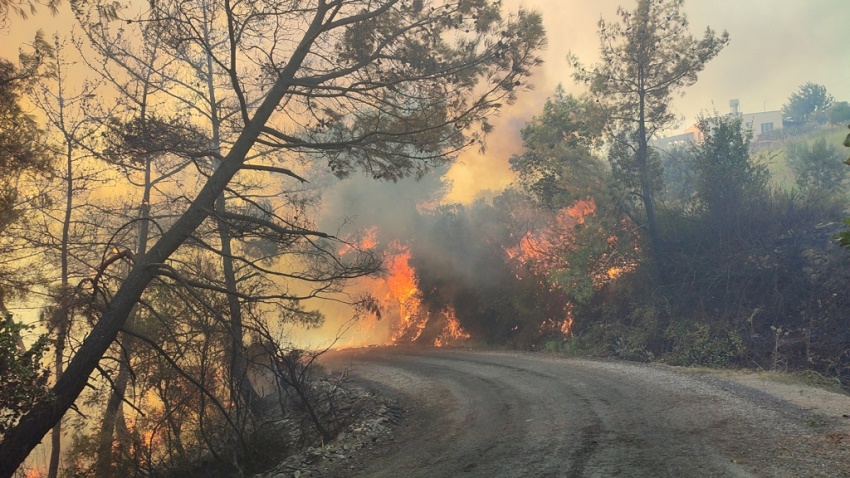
x,y
646,58
627,324
23,153
809,103
23,378
584,234
726,177
23,9
839,112
557,165
638,333
420,112
677,162
627,348
818,167
21,141
571,346
843,237
703,344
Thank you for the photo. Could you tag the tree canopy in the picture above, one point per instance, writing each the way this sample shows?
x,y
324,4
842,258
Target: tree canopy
x,y
809,103
818,165
558,164
646,57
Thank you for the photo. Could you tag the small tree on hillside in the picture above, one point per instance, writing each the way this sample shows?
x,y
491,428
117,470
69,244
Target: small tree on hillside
x,y
809,103
726,176
679,176
818,167
582,242
839,112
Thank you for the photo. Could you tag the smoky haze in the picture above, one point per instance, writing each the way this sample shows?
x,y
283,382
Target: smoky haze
x,y
776,46
360,206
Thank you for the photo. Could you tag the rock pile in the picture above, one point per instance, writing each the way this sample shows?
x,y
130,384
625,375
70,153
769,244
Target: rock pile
x,y
371,422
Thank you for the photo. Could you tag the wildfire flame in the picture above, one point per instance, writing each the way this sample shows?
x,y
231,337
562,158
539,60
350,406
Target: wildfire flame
x,y
559,325
452,332
404,291
546,250
541,252
413,315
367,242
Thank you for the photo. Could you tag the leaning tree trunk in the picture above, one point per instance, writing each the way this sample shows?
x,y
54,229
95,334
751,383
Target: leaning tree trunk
x,y
103,463
31,428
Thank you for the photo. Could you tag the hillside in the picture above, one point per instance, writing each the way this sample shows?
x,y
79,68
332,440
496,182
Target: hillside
x,y
774,145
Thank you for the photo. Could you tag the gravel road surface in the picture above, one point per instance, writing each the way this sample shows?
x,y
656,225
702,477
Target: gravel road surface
x,y
491,414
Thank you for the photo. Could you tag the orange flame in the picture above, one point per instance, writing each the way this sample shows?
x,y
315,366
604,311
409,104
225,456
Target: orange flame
x,y
367,242
404,291
546,250
413,316
33,473
580,210
452,332
541,253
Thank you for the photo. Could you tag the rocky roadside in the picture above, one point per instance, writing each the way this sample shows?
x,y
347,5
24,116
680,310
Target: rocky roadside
x,y
373,419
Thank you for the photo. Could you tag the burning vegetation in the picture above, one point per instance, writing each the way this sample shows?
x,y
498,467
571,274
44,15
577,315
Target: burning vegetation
x,y
412,321
563,260
482,274
404,296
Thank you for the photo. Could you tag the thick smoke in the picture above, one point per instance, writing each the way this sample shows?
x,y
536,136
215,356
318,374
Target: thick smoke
x,y
352,209
458,255
455,261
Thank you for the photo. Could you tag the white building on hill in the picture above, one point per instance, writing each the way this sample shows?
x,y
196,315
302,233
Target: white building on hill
x,y
757,123
763,122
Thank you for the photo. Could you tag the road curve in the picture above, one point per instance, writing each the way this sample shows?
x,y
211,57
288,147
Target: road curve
x,y
480,414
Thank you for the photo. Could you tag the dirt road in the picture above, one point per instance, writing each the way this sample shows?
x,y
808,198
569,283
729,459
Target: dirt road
x,y
475,414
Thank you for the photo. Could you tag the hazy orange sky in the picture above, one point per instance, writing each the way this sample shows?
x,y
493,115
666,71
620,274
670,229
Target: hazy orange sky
x,y
776,46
